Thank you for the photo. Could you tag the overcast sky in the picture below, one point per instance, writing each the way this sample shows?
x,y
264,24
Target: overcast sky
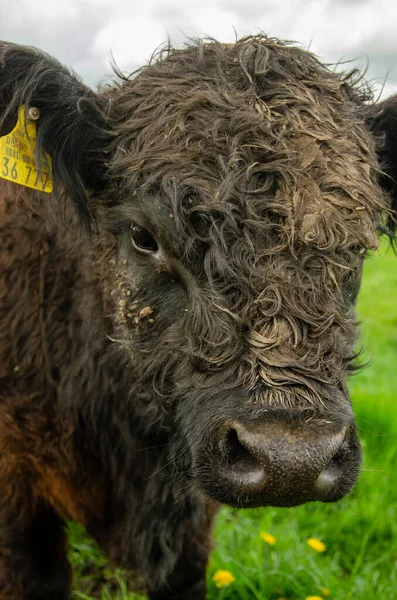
x,y
84,33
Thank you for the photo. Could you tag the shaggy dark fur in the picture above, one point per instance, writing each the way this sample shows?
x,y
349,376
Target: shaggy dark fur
x,y
164,363
382,119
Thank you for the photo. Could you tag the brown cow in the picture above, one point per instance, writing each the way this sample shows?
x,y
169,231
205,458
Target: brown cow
x,y
177,320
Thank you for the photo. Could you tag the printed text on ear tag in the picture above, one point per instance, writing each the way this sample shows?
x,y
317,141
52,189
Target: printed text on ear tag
x,y
17,157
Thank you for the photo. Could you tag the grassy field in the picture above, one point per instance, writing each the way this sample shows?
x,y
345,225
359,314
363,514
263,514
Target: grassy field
x,y
360,533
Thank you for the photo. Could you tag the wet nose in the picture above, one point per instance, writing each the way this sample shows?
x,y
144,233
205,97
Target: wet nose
x,y
278,465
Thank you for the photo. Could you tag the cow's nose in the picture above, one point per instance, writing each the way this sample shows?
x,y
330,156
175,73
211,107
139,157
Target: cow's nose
x,y
284,466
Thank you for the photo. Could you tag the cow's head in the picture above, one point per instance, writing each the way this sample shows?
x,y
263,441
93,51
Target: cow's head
x,y
243,190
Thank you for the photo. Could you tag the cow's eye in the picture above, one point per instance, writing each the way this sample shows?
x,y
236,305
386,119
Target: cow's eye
x,y
142,240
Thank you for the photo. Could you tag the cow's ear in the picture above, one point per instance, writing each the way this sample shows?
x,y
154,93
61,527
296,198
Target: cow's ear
x,y
382,120
71,127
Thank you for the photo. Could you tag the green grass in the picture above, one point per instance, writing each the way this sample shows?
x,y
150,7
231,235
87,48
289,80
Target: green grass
x,y
360,532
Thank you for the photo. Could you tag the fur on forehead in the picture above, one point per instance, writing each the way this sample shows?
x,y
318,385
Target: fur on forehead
x,y
251,128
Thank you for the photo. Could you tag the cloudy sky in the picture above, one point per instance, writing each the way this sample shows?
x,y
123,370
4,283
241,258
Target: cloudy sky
x,y
84,33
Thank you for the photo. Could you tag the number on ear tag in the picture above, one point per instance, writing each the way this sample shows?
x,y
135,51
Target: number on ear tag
x,y
17,157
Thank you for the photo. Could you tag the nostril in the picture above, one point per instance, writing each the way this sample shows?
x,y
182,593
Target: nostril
x,y
233,450
239,461
330,476
342,454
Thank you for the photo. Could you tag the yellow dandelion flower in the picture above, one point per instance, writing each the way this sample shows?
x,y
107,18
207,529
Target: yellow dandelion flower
x,y
316,545
268,538
314,598
223,578
325,592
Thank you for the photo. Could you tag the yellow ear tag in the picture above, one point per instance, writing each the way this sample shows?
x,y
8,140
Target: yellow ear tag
x,y
17,156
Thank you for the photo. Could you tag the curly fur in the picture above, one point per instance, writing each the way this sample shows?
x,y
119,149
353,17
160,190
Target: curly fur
x,y
254,168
